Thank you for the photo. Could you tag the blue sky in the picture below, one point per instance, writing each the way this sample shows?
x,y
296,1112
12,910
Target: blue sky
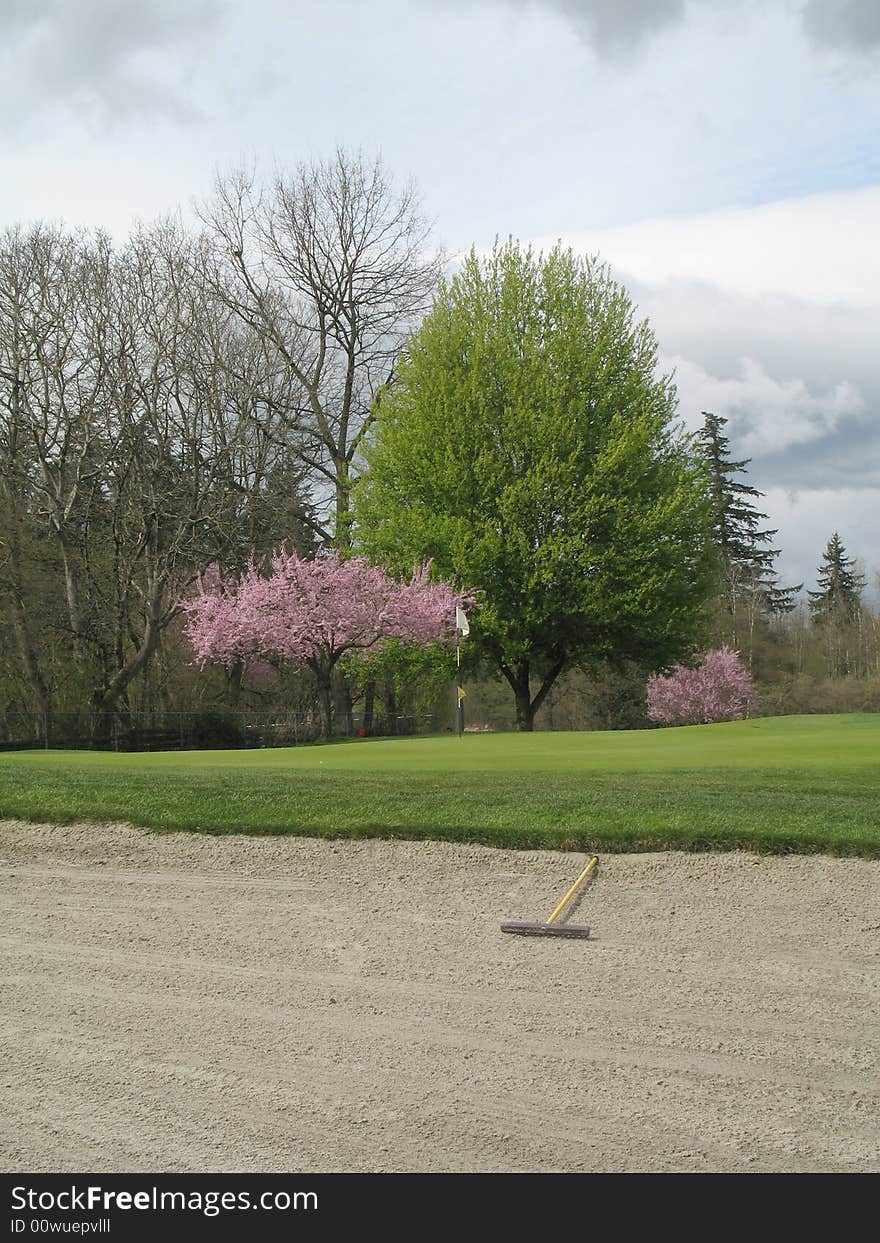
x,y
722,155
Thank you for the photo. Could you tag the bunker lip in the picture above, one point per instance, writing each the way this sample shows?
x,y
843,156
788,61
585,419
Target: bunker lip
x,y
198,1003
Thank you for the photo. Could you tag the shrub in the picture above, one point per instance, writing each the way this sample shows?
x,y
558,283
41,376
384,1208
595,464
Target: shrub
x,y
719,688
213,728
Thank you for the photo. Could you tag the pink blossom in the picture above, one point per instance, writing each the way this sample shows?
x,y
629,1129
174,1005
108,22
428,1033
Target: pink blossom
x,y
316,611
720,688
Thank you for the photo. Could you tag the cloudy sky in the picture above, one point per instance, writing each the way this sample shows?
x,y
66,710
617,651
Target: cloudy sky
x,y
722,155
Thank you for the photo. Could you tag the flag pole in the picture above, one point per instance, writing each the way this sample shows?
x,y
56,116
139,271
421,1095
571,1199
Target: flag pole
x,y
462,630
459,702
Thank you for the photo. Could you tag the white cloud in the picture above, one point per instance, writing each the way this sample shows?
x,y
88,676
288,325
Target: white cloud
x,y
820,248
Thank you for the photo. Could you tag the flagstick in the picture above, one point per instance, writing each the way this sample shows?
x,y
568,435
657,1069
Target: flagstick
x,y
459,702
461,629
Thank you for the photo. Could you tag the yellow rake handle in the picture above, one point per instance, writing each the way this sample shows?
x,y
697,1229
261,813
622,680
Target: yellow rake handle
x,y
594,859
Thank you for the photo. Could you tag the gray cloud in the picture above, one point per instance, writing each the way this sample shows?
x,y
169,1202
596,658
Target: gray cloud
x,y
798,384
617,27
796,380
614,27
843,25
843,457
111,59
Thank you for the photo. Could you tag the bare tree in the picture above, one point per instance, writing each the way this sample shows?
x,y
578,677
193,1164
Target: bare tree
x,y
184,400
139,440
183,432
330,265
47,394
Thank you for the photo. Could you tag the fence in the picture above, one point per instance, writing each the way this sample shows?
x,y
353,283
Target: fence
x,y
189,731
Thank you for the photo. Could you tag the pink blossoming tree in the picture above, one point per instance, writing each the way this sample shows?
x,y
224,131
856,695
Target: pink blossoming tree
x,y
316,611
718,689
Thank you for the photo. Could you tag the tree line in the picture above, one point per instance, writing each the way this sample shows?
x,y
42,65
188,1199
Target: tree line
x,y
296,371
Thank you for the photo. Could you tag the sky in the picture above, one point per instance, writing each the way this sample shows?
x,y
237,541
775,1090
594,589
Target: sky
x,y
723,156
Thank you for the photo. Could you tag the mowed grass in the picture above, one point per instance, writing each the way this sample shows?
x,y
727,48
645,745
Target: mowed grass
x,y
783,784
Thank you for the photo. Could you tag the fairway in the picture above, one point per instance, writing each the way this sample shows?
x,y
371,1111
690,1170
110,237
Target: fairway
x,y
783,784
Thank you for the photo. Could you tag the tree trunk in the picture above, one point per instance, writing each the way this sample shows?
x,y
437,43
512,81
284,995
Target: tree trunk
x,y
345,703
27,652
342,538
325,699
391,706
106,699
520,683
71,585
30,665
234,677
369,706
525,715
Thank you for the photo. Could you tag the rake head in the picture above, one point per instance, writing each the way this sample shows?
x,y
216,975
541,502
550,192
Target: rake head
x,y
547,930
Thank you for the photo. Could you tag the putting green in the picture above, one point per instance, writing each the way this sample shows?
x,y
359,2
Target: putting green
x,y
831,742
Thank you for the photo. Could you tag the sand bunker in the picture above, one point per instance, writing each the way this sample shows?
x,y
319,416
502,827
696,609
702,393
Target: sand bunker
x,y
197,1004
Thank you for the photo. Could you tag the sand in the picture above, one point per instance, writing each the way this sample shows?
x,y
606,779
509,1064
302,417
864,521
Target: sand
x,y
193,1003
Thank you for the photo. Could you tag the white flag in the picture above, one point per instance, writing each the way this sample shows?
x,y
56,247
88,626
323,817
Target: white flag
x,y
461,623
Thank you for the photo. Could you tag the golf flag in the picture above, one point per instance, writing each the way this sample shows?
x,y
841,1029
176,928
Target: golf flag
x,y
461,623
462,694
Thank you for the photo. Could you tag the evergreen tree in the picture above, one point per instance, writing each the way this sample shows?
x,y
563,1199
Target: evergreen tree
x,y
839,586
746,555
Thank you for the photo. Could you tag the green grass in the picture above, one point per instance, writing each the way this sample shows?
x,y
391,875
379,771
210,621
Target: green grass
x,y
782,784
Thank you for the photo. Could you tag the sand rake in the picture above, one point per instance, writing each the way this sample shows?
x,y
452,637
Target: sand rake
x,y
551,928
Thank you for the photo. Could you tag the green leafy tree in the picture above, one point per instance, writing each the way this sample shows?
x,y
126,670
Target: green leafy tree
x,y
528,447
403,687
840,587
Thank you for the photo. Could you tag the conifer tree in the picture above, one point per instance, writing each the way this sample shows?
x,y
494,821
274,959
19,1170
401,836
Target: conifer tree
x,y
747,557
840,587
